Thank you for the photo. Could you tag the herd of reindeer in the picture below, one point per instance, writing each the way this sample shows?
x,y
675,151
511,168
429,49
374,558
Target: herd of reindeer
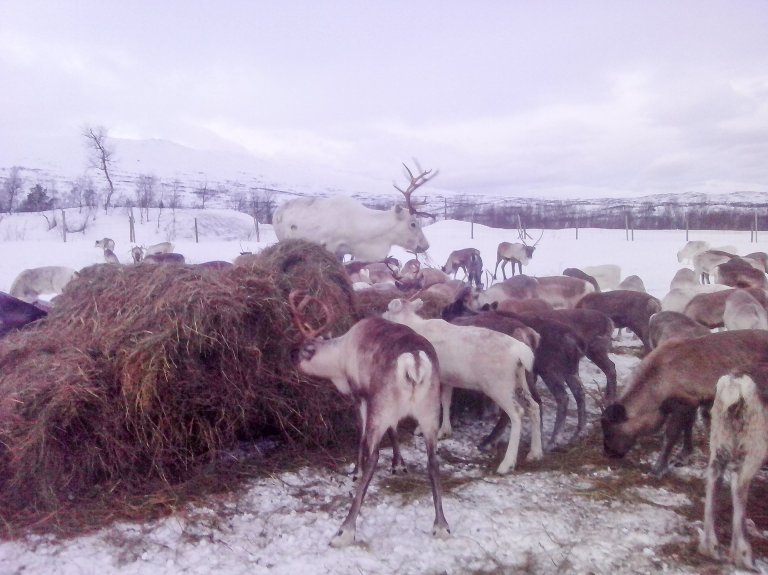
x,y
401,365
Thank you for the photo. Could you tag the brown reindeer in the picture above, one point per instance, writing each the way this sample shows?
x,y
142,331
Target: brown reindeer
x,y
670,325
709,308
558,291
468,260
630,309
741,273
668,386
393,373
16,313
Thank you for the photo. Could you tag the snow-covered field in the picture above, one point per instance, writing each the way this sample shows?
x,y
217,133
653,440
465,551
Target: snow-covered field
x,y
531,521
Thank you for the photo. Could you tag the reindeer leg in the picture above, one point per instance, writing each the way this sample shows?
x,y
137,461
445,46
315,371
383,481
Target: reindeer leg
x,y
677,419
446,392
577,389
515,413
429,423
362,418
532,406
688,420
708,544
600,358
557,389
346,533
398,465
741,550
490,439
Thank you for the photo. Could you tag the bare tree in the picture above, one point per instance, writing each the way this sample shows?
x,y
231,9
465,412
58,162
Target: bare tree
x,y
205,193
145,194
262,204
11,187
102,156
176,189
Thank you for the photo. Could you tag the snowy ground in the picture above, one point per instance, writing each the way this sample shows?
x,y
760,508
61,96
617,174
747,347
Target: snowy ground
x,y
533,520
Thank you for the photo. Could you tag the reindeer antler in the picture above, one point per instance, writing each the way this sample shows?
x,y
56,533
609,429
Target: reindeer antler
x,y
298,300
415,182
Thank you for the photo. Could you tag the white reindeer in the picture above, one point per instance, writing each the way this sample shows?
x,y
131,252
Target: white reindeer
x,y
738,442
743,311
392,372
33,282
483,360
516,253
344,226
105,243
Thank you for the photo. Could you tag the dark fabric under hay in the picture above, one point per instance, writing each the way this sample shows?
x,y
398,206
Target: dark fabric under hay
x,y
142,373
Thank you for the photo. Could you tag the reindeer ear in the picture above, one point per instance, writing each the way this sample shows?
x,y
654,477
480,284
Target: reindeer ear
x,y
399,209
395,305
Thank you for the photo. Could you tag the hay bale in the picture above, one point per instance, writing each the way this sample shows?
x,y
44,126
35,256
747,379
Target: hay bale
x,y
374,302
142,373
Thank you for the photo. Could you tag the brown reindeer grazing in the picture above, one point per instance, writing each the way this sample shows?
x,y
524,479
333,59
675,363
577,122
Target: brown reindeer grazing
x,y
671,325
738,441
740,272
16,313
596,330
468,260
668,386
709,308
630,309
393,373
577,273
532,305
743,311
497,369
516,253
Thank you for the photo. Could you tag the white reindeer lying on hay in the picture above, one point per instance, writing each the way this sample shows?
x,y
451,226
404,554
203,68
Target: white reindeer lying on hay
x,y
738,442
31,283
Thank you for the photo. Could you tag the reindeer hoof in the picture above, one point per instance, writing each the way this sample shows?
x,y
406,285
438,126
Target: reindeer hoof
x,y
343,538
442,434
441,531
707,546
400,468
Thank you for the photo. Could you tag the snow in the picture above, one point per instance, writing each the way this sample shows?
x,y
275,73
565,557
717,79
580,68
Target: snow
x,y
529,521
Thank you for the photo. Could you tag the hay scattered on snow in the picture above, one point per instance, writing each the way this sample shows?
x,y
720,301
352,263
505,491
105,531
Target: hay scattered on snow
x,y
142,373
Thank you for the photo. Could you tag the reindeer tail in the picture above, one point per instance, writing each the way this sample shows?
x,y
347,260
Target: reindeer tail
x,y
414,368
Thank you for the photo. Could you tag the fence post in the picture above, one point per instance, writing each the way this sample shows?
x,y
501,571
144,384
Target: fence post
x,y
64,225
626,226
197,239
131,226
755,226
686,227
256,223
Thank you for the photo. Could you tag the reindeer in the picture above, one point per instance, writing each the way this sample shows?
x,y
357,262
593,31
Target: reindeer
x,y
760,257
105,243
16,313
743,311
665,326
164,258
344,226
558,291
517,253
704,263
137,253
690,249
741,272
630,309
33,282
632,283
668,386
557,352
110,257
393,373
607,276
577,273
498,368
468,260
738,441
709,308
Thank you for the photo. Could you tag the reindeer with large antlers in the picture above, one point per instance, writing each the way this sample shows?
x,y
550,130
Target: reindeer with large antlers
x,y
392,372
344,226
518,253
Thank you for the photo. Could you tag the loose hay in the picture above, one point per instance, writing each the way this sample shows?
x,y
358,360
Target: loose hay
x,y
143,373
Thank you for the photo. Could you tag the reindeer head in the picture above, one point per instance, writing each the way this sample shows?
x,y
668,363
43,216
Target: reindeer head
x,y
299,301
616,442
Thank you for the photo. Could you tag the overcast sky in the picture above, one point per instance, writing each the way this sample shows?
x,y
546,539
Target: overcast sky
x,y
549,98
